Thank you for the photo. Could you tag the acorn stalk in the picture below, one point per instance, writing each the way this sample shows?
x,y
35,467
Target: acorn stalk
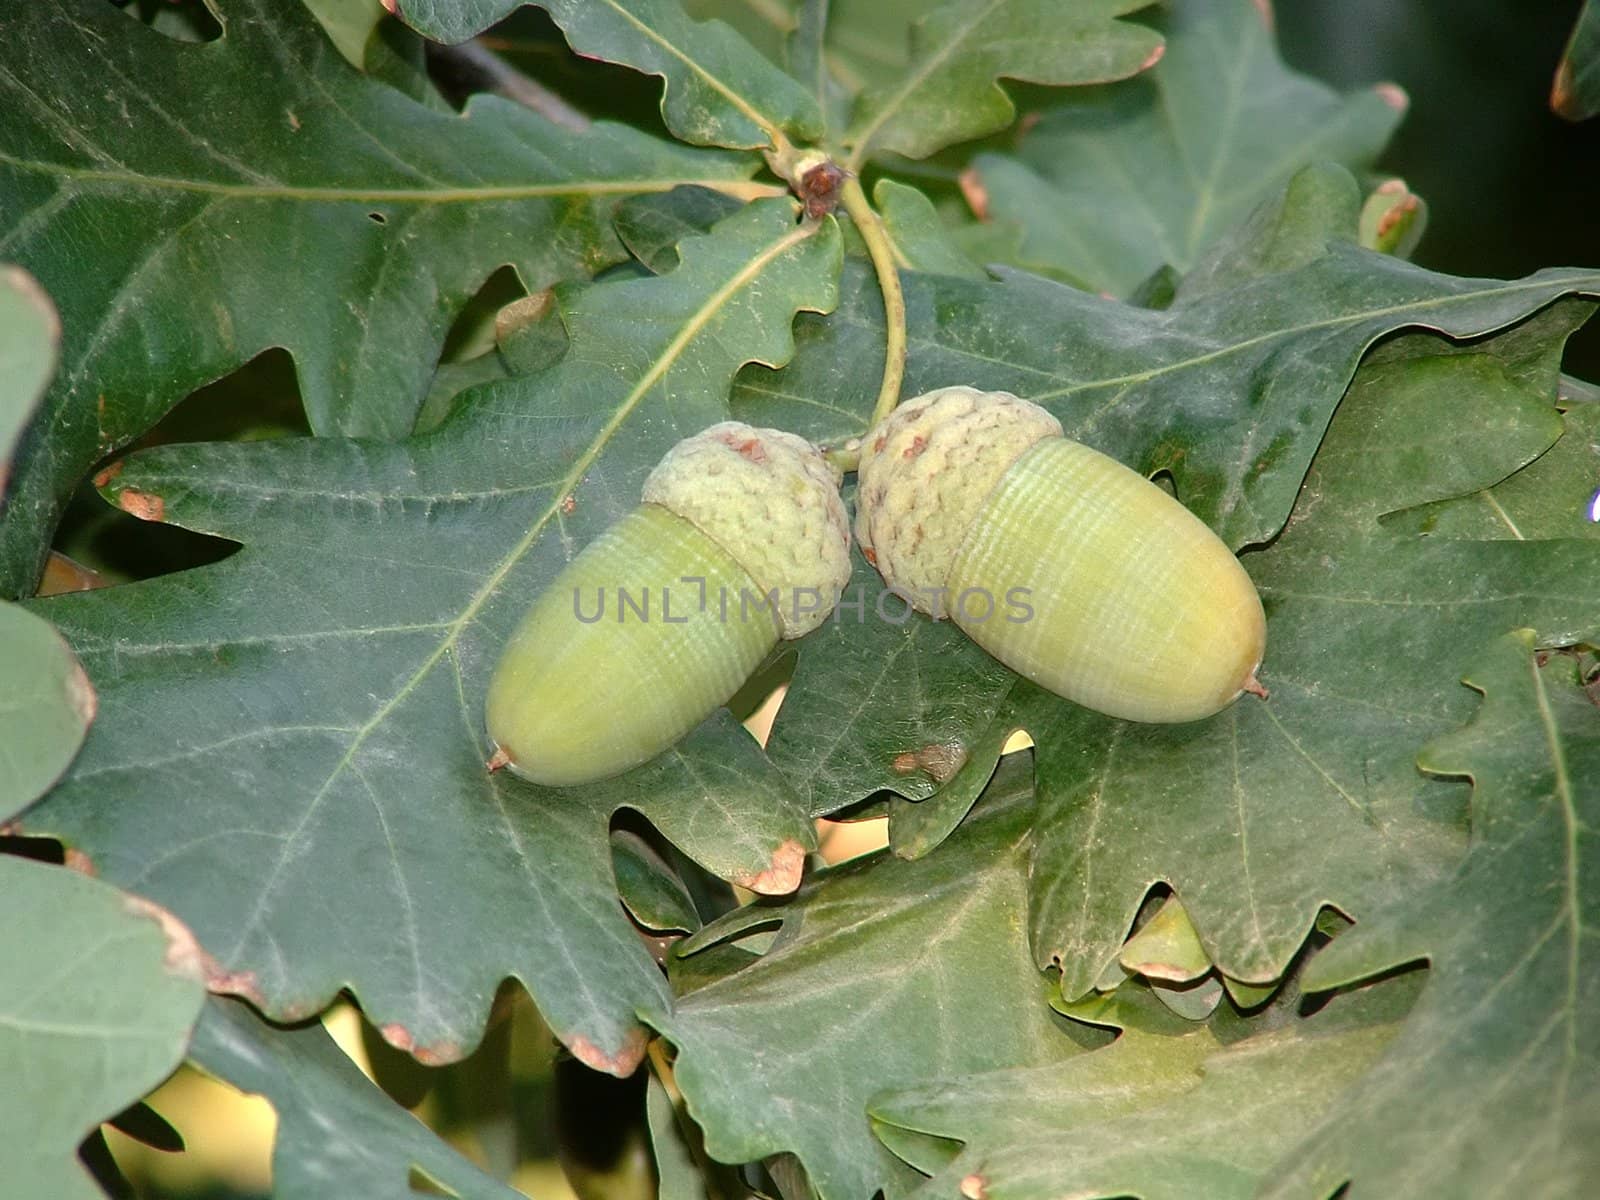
x,y
741,540
1071,569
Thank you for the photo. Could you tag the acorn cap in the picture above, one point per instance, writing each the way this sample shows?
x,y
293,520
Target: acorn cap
x,y
925,473
772,502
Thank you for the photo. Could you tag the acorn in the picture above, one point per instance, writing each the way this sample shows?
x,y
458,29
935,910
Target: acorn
x,y
741,540
1071,569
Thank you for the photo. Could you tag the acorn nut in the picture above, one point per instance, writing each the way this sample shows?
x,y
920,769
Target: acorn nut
x,y
741,540
1068,567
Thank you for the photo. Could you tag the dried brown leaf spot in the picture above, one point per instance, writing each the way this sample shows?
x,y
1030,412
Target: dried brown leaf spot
x,y
184,956
243,984
1394,96
975,194
1562,100
621,1064
144,505
80,693
939,760
782,874
1395,215
438,1055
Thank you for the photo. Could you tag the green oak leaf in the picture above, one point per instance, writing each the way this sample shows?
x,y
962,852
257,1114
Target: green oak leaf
x,y
920,241
453,21
1262,814
652,226
1321,203
1576,91
98,993
1551,497
1502,1043
1169,1111
720,91
46,702
676,1170
338,1134
46,705
304,719
805,56
651,891
1166,947
1113,183
1341,756
187,212
876,685
870,39
1393,219
886,973
349,24
948,91
1228,391
30,343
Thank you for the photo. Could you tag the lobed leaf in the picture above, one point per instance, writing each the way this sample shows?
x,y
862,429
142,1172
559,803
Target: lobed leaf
x,y
719,91
98,993
1264,813
46,702
188,209
1112,183
948,91
30,342
919,239
886,973
1229,391
1551,497
1502,1043
338,1133
1171,1110
304,719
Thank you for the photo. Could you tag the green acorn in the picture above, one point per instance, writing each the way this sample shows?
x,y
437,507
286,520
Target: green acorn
x,y
1068,567
741,540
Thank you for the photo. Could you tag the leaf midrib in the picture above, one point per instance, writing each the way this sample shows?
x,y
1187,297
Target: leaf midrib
x,y
1582,283
691,328
914,79
1569,908
742,189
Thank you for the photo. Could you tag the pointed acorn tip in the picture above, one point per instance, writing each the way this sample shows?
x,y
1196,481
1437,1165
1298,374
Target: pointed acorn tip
x,y
1253,686
498,759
